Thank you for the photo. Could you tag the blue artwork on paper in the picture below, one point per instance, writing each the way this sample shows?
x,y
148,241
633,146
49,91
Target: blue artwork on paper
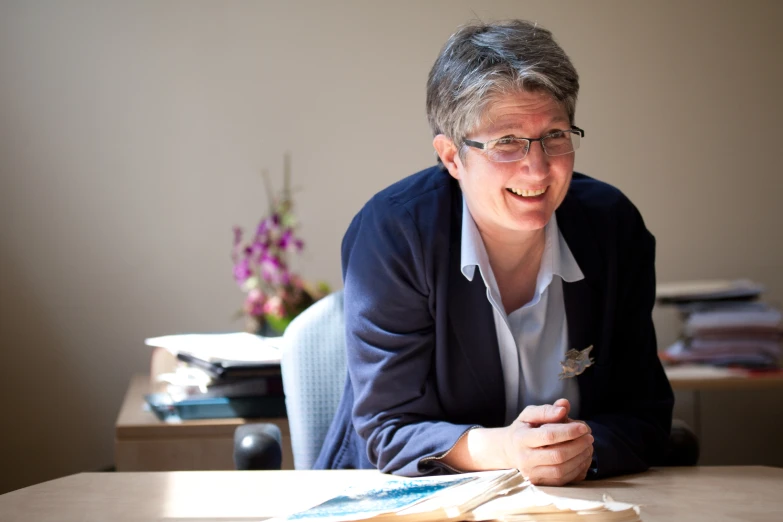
x,y
388,497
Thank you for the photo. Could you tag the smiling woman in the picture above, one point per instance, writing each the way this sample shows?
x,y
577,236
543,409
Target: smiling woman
x,y
498,305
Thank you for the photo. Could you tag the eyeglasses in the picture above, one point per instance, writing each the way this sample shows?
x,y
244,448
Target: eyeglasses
x,y
509,148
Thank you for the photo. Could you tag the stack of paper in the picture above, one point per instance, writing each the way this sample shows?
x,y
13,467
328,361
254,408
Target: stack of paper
x,y
220,375
235,347
527,502
490,495
724,324
707,290
742,334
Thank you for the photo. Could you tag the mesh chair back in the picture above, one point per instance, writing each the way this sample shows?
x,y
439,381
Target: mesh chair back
x,y
313,368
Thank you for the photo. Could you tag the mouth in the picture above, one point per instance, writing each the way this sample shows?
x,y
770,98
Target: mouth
x,y
528,195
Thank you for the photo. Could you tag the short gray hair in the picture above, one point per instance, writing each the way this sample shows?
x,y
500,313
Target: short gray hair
x,y
483,60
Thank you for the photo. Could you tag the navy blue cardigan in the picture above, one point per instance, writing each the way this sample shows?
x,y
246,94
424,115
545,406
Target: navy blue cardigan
x,y
422,351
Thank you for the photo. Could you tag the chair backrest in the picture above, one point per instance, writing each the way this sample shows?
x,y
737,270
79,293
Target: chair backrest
x,y
313,369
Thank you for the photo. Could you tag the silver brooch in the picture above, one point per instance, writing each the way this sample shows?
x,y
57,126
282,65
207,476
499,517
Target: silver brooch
x,y
576,362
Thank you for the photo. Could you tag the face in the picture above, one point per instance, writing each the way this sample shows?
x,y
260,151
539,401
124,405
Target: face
x,y
518,197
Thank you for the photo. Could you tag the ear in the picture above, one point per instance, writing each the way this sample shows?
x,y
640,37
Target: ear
x,y
447,152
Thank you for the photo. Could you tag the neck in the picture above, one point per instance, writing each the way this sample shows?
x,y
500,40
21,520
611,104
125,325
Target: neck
x,y
512,253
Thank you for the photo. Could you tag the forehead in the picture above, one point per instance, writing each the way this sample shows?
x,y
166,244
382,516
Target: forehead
x,y
524,111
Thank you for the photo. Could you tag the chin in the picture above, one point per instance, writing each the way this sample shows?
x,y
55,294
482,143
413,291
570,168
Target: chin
x,y
530,223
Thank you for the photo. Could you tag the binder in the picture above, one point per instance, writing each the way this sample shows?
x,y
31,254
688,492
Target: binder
x,y
224,369
165,408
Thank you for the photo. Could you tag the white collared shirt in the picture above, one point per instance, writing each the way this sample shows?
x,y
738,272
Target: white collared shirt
x,y
533,339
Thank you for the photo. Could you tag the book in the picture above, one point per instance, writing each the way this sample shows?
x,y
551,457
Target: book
x,y
707,290
228,369
166,408
486,495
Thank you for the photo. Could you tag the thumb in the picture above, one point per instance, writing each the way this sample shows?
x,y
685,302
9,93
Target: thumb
x,y
563,403
544,414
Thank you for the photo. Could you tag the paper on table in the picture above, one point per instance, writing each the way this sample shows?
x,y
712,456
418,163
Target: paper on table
x,y
237,347
527,502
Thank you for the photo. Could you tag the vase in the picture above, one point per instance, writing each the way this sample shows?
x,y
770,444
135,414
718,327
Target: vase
x,y
264,329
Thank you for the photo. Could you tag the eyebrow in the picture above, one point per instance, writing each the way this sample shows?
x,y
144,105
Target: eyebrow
x,y
516,125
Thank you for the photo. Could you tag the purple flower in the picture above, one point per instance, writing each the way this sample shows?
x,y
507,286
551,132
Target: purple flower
x,y
286,239
289,243
242,271
237,244
270,267
254,303
274,306
262,228
258,250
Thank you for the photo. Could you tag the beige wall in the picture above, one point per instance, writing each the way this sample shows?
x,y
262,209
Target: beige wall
x,y
132,135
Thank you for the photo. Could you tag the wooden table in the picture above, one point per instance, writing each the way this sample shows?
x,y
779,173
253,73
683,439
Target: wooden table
x,y
698,378
726,409
145,443
709,494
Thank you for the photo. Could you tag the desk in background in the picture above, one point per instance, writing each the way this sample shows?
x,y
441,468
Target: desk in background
x,y
694,494
145,443
698,378
733,412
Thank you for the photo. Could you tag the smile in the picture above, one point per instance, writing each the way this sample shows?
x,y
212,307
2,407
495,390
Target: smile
x,y
527,193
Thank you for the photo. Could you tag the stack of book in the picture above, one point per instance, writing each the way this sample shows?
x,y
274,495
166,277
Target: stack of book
x,y
724,324
220,376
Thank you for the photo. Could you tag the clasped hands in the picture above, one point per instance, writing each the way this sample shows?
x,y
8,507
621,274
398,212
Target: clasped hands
x,y
548,447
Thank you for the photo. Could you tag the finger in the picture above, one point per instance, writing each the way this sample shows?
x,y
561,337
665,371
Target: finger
x,y
543,414
563,452
563,403
583,475
550,434
589,429
562,474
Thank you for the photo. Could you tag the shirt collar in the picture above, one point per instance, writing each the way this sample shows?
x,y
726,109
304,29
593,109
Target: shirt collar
x,y
557,258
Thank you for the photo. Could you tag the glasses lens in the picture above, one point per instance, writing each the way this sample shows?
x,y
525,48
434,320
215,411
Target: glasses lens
x,y
560,143
507,149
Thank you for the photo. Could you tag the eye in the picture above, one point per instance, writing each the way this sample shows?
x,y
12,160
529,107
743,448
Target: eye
x,y
506,140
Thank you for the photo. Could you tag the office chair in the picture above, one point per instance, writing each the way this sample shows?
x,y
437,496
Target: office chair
x,y
313,368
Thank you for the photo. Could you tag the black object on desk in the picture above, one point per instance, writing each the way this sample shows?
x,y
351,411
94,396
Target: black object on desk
x,y
226,369
165,408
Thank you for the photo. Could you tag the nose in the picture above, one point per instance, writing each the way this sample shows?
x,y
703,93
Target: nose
x,y
536,163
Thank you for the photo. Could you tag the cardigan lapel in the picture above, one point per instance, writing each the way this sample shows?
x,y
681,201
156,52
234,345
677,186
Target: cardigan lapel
x,y
472,319
582,297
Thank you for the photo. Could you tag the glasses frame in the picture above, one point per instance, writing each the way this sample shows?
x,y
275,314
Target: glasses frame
x,y
483,146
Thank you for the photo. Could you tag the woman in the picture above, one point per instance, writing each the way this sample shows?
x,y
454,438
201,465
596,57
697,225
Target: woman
x,y
498,305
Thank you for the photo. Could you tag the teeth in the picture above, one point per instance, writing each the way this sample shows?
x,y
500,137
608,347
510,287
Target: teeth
x,y
528,193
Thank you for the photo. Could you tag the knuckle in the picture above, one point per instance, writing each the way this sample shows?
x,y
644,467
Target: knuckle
x,y
550,436
557,473
557,456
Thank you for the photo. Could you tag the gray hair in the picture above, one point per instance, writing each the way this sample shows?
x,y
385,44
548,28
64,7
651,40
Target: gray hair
x,y
482,61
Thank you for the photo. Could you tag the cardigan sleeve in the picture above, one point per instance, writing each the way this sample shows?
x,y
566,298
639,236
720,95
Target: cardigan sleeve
x,y
390,336
632,430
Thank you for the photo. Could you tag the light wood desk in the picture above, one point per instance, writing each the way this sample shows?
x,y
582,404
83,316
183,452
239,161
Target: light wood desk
x,y
697,389
698,378
145,443
666,494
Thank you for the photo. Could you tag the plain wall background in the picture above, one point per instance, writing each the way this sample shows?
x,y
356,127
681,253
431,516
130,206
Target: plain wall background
x,y
132,136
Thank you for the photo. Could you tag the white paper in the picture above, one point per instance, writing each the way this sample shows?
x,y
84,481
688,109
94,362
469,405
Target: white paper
x,y
234,347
